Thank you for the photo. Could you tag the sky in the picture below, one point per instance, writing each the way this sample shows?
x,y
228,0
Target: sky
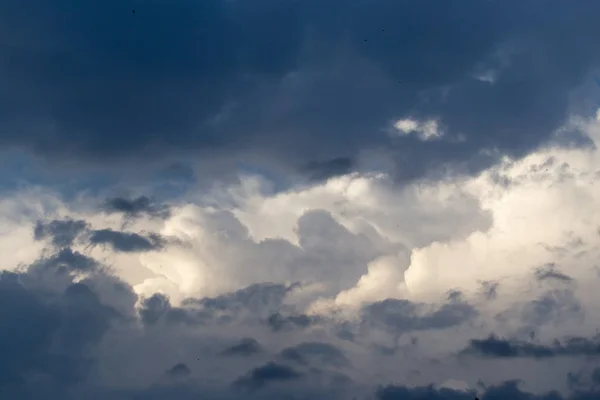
x,y
299,199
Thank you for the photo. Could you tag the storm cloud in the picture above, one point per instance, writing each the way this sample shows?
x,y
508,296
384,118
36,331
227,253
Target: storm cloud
x,y
310,84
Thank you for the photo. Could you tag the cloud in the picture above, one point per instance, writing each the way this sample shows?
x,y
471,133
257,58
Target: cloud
x,y
62,233
246,347
178,370
427,130
126,241
66,260
326,278
268,373
498,347
315,353
405,316
550,272
506,390
135,207
305,82
46,339
278,322
319,171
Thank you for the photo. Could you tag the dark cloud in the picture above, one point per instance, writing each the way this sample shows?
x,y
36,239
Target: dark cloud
x,y
506,390
278,322
253,303
497,347
52,338
245,348
157,309
405,316
135,207
46,336
61,232
490,290
127,242
549,272
178,370
258,300
405,393
315,353
66,260
551,306
574,380
64,232
289,82
154,307
319,171
267,373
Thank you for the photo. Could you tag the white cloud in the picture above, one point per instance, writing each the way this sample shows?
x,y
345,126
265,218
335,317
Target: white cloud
x,y
354,240
424,130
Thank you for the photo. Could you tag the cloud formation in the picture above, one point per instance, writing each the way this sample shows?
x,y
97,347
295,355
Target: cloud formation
x,y
263,199
309,84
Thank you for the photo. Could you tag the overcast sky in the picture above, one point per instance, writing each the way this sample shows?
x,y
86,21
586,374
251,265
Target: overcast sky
x,y
299,199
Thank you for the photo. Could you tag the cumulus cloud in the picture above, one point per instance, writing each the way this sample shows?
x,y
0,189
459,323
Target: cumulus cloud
x,y
377,200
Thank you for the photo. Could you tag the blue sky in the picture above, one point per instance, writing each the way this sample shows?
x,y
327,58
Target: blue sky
x,y
299,199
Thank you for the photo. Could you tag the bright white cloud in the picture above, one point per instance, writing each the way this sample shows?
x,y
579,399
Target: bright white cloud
x,y
424,130
355,240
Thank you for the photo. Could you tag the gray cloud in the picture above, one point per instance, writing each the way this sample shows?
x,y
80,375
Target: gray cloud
x,y
125,241
506,390
494,346
153,308
551,306
61,232
490,290
45,336
135,207
268,373
305,82
316,353
253,303
65,260
550,272
178,370
405,316
55,335
246,347
278,322
318,171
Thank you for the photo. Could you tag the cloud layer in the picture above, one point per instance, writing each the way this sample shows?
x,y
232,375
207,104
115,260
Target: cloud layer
x,y
302,86
329,200
345,287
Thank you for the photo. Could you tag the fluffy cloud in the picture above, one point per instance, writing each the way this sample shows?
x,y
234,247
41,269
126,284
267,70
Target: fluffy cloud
x,y
326,290
251,199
